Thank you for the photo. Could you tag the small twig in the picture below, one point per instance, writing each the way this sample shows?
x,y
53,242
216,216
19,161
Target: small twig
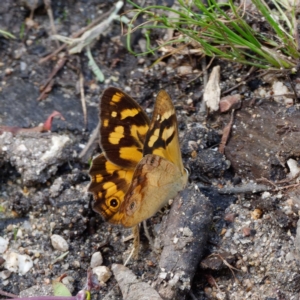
x,y
231,268
263,179
61,62
246,188
279,188
90,144
50,15
136,241
226,133
136,244
288,179
212,282
205,79
287,187
6,294
148,236
82,97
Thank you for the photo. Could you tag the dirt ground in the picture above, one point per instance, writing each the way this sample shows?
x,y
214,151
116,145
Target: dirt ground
x,y
239,237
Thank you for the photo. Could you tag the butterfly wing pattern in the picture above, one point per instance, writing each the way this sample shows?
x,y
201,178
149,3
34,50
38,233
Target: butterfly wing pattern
x,y
123,126
160,175
141,166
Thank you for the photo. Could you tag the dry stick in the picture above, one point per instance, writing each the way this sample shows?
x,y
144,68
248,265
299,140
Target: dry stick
x,y
47,4
75,35
6,294
148,236
205,79
82,96
91,142
243,189
56,68
226,133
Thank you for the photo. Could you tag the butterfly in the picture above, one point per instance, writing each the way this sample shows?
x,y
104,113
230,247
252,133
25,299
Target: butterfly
x,y
141,167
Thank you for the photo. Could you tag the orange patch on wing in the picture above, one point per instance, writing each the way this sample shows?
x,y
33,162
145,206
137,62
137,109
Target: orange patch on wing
x,y
117,97
130,153
105,122
98,178
137,131
129,112
114,137
153,137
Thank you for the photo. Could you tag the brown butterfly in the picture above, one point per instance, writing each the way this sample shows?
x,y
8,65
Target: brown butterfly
x,y
141,166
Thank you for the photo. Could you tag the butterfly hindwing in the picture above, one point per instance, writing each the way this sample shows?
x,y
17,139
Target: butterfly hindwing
x,y
109,183
154,182
123,128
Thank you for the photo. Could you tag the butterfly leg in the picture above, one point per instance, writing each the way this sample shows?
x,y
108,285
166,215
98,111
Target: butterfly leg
x,y
136,241
150,239
136,244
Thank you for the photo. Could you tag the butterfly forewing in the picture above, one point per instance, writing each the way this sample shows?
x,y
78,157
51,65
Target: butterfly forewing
x,y
123,128
162,137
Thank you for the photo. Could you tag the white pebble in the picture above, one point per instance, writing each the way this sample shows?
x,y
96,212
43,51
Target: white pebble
x,y
11,261
3,245
103,273
59,243
96,260
5,274
25,264
15,262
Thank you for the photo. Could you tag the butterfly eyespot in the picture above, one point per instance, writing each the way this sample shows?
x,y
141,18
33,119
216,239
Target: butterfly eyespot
x,y
132,205
114,202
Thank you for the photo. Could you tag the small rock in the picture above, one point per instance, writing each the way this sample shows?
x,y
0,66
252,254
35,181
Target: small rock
x,y
256,214
184,70
3,245
229,217
187,231
229,102
131,287
23,66
25,264
96,260
103,273
11,261
246,231
59,243
15,262
5,274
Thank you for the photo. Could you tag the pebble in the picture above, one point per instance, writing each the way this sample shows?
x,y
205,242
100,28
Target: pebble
x,y
3,245
15,262
23,66
59,243
96,260
5,274
103,273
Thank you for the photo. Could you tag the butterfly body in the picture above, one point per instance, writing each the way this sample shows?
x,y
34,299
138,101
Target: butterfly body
x,y
141,166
